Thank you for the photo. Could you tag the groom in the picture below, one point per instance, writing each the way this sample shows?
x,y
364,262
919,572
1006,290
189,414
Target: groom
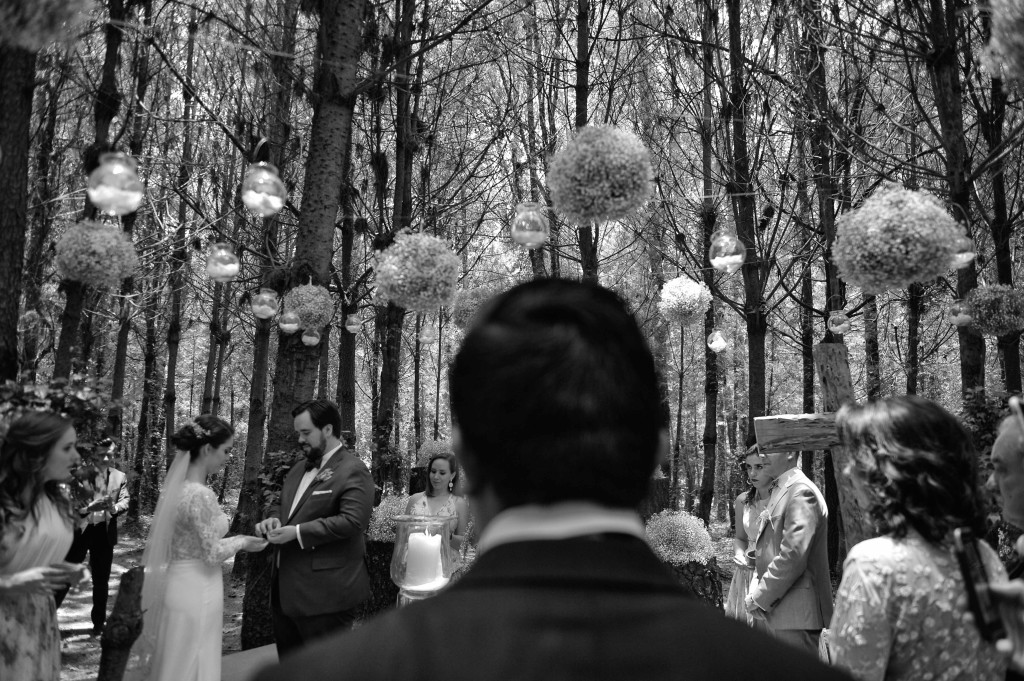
x,y
319,577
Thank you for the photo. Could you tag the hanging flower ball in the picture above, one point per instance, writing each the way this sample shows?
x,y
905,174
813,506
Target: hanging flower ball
x,y
963,253
289,322
1005,52
726,252
467,302
717,342
265,303
604,173
960,314
838,322
684,300
222,264
530,225
353,323
114,186
263,192
996,310
313,304
897,237
311,337
35,24
418,272
95,254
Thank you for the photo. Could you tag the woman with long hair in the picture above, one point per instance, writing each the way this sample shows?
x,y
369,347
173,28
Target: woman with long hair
x,y
439,498
749,507
38,454
183,589
902,608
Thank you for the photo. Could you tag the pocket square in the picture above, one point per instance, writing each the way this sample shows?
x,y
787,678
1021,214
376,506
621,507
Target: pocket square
x,y
323,491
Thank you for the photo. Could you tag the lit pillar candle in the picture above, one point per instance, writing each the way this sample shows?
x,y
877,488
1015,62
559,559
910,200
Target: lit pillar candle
x,y
423,563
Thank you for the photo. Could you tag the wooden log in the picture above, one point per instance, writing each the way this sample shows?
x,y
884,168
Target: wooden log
x,y
123,626
795,432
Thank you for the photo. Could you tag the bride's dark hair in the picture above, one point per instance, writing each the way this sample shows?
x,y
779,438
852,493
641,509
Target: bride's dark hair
x,y
205,429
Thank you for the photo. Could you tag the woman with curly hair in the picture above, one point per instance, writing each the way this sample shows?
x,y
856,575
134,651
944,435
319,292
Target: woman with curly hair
x,y
37,455
749,507
901,611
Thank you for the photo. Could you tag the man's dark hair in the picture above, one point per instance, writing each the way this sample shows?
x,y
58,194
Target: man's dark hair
x,y
323,413
556,396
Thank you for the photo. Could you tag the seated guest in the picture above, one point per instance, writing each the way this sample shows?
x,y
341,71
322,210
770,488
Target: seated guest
x,y
559,426
438,499
902,611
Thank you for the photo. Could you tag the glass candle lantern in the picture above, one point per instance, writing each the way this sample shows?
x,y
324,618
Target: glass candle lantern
x,y
263,192
530,225
289,322
963,253
959,314
726,252
114,186
422,563
838,322
353,323
222,263
428,334
311,337
265,303
716,341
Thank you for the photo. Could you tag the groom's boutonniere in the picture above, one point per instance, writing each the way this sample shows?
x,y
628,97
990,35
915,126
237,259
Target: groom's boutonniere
x,y
762,520
324,475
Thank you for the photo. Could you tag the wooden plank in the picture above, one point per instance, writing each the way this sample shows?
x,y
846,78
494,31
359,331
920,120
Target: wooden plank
x,y
795,432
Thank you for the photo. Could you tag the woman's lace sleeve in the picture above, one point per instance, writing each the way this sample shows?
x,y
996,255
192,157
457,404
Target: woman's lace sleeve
x,y
211,525
861,634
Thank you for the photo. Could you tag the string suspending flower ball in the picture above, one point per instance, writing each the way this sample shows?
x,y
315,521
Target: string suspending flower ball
x,y
603,173
313,304
96,255
418,272
263,192
114,186
684,300
996,310
897,237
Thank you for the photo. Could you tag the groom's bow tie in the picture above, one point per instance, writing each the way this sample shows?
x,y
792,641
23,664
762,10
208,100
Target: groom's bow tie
x,y
313,462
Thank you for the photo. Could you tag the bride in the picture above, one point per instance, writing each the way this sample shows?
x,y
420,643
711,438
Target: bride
x,y
183,590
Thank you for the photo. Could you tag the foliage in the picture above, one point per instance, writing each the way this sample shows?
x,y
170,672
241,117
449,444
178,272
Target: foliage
x,y
95,254
467,302
431,447
996,310
313,304
678,538
604,173
1006,48
684,300
897,237
35,24
382,519
275,467
418,272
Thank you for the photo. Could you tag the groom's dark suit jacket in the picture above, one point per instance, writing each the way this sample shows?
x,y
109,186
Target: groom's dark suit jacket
x,y
327,573
593,608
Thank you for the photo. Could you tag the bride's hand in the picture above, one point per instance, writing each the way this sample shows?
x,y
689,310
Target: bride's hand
x,y
254,544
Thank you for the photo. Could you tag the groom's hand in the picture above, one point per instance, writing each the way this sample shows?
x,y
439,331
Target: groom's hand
x,y
264,527
282,535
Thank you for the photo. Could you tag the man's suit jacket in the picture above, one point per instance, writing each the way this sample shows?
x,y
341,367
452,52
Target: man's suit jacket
x,y
116,486
792,558
327,573
594,608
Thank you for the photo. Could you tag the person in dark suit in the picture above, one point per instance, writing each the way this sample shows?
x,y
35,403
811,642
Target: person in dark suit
x,y
559,427
96,531
319,576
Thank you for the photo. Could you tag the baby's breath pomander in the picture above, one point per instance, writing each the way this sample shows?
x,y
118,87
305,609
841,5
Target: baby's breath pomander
x,y
897,237
467,302
418,272
1005,51
431,447
95,254
312,303
604,173
35,24
679,538
684,300
996,310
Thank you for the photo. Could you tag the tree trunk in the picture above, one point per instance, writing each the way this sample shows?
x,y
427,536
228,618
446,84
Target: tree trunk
x,y
872,360
588,234
915,306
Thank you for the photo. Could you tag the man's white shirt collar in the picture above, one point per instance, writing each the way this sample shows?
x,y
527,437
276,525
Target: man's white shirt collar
x,y
558,521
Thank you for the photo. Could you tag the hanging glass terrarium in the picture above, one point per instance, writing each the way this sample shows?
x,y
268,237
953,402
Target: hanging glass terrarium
x,y
838,322
114,186
726,252
963,253
263,192
530,225
353,323
289,322
222,263
717,342
959,314
265,303
310,337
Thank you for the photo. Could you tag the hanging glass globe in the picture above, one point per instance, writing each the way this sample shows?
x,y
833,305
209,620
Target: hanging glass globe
x,y
265,303
726,251
530,225
311,337
427,334
716,341
263,192
353,323
222,263
839,322
289,322
959,314
114,187
963,252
